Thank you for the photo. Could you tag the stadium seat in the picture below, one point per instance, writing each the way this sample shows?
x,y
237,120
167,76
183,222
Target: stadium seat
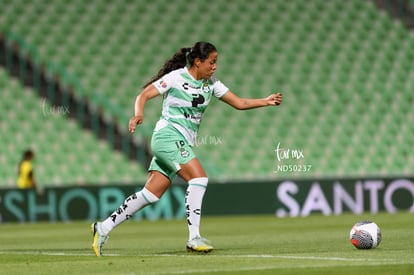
x,y
340,65
65,153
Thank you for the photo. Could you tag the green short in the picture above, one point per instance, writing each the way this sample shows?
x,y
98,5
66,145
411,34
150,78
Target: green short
x,y
169,149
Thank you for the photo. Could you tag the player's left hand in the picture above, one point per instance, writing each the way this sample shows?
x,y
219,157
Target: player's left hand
x,y
274,99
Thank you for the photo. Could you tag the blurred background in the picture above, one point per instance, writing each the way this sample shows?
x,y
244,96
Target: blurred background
x,y
70,72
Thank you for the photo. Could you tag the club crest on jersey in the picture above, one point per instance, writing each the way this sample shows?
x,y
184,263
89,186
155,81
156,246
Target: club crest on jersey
x,y
205,88
184,153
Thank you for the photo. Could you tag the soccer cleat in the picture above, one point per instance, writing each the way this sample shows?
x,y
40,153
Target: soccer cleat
x,y
199,244
99,239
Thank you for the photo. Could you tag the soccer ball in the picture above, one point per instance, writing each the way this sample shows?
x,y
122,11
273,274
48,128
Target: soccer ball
x,y
365,235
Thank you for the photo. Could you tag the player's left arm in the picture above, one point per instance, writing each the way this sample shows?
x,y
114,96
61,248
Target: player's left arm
x,y
240,103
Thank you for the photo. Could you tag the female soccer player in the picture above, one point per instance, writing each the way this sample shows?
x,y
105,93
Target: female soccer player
x,y
187,91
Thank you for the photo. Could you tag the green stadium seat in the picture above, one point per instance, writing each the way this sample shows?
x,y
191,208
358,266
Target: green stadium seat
x,y
337,84
65,154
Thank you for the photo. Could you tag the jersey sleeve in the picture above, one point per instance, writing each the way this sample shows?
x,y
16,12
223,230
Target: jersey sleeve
x,y
164,83
219,88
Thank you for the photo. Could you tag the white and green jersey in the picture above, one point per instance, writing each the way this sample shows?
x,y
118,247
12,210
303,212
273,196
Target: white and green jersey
x,y
185,100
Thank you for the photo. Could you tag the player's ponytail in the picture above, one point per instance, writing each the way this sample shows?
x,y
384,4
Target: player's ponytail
x,y
179,60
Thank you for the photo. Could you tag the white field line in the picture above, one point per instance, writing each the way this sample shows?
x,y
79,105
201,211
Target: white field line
x,y
264,256
50,253
269,256
264,266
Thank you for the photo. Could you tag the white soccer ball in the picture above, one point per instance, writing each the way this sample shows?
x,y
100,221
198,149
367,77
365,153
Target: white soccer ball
x,y
365,235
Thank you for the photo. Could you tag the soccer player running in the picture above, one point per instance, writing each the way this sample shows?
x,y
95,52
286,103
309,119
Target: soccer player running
x,y
187,84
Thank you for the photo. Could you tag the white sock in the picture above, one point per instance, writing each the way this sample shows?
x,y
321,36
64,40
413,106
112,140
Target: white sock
x,y
193,201
128,208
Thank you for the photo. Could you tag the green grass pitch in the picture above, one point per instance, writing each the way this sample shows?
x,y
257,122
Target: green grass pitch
x,y
243,245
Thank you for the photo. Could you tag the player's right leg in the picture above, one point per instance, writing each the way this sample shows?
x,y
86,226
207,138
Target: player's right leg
x,y
99,239
156,185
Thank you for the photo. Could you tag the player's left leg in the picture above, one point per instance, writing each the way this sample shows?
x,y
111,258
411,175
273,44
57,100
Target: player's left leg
x,y
194,174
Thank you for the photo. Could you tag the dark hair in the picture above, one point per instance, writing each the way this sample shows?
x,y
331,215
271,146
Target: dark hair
x,y
28,154
179,60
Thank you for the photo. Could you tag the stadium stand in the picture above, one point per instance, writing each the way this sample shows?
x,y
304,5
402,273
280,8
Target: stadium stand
x,y
65,153
345,68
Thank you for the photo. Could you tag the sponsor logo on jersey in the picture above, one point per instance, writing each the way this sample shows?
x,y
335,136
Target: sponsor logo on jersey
x,y
162,84
187,85
196,117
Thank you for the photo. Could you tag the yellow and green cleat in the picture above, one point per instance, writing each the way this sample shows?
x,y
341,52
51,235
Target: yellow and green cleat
x,y
99,239
199,244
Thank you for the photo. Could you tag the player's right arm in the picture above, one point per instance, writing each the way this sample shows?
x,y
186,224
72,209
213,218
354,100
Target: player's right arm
x,y
148,93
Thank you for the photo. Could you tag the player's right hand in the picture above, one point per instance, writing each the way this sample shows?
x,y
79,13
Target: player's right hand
x,y
133,122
